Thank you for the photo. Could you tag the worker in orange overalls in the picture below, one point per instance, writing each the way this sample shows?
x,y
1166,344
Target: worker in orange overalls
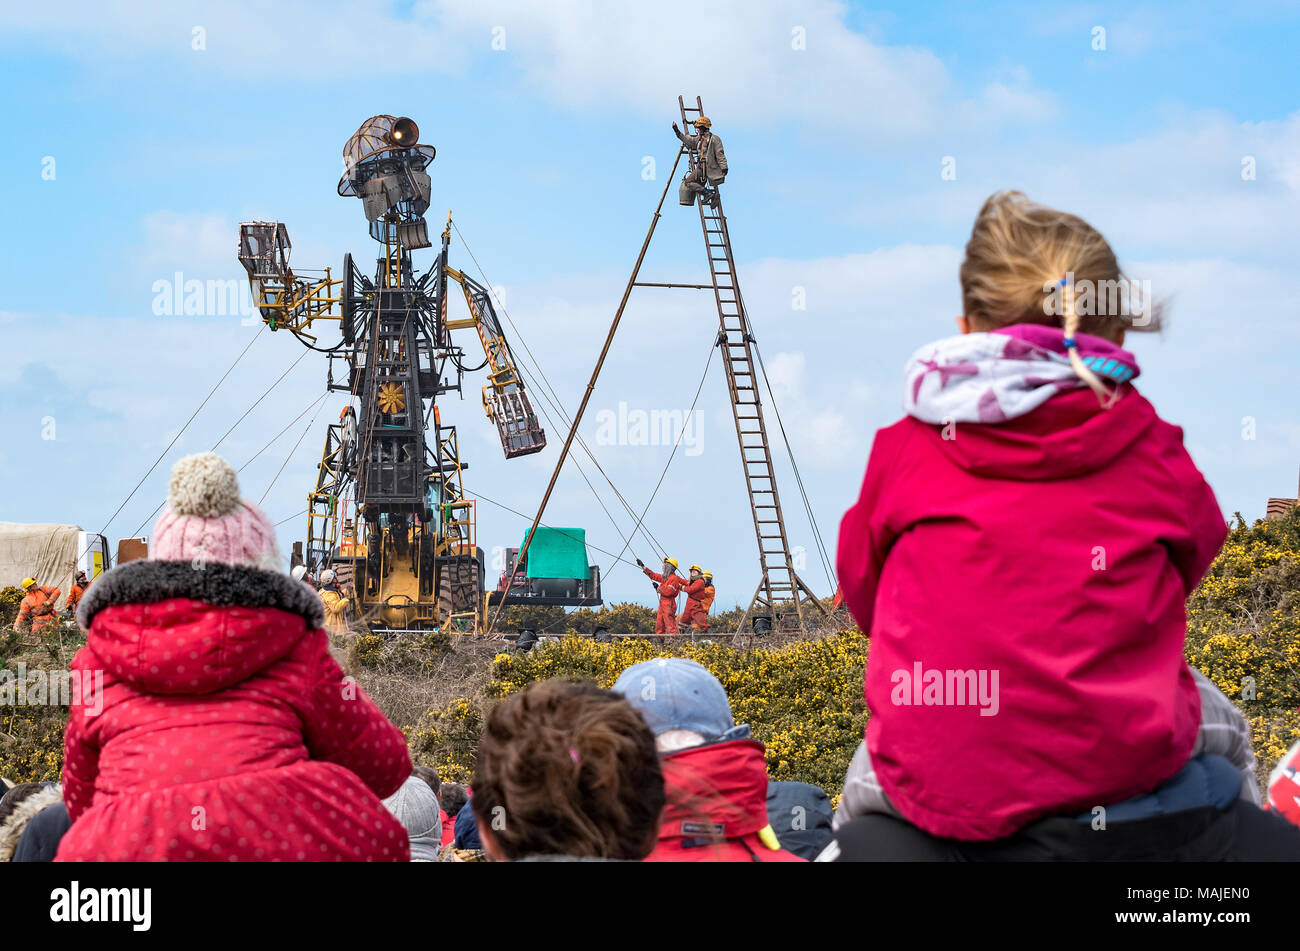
x,y
37,607
706,602
74,596
694,616
669,585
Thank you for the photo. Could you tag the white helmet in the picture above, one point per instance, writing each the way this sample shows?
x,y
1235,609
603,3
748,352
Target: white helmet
x,y
327,576
299,572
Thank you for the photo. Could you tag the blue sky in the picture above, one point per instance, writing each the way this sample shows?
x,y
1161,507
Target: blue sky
x,y
160,149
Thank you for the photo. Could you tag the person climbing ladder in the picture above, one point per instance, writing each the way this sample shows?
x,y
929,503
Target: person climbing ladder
x,y
709,167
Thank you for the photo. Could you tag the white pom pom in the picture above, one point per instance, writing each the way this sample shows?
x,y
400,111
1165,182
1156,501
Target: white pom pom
x,y
203,484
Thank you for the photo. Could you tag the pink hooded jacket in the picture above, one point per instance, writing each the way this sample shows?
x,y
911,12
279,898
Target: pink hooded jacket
x,y
1023,584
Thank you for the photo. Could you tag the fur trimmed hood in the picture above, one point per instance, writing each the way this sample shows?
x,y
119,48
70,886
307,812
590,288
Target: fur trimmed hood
x,y
213,582
181,627
12,828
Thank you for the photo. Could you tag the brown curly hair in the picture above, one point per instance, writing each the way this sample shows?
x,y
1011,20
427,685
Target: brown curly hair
x,y
568,769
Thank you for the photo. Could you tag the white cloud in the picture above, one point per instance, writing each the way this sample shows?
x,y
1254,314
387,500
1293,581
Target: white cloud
x,y
1177,188
583,55
198,243
260,43
1010,102
741,54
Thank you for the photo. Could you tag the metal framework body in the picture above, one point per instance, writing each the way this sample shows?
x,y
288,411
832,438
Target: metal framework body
x,y
411,548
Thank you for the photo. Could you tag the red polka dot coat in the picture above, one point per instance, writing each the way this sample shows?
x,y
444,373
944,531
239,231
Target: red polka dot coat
x,y
210,723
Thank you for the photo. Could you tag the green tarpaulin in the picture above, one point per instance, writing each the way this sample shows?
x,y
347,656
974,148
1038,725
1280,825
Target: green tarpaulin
x,y
557,553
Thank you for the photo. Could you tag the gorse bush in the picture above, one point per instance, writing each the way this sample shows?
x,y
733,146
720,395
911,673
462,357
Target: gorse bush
x,y
446,739
1243,630
1243,624
31,726
415,652
803,701
10,599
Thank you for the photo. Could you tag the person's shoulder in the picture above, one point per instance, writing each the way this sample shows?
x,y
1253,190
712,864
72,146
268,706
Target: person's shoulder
x,y
1161,439
891,439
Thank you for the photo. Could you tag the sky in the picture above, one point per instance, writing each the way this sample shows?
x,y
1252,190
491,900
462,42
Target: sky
x,y
862,140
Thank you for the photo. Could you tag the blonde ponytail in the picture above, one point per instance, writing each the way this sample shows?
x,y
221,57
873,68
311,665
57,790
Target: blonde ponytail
x,y
1016,256
1070,322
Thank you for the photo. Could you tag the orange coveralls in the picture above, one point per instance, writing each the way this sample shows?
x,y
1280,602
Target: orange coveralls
x,y
695,613
74,596
37,608
669,587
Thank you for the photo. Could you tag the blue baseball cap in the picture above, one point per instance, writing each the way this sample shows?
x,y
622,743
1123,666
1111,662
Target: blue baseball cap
x,y
673,693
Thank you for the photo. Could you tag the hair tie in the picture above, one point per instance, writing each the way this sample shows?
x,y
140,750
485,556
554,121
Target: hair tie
x,y
1069,343
573,755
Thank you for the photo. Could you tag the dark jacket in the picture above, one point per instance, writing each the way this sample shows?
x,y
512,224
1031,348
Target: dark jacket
x,y
40,840
467,828
14,829
800,814
1195,817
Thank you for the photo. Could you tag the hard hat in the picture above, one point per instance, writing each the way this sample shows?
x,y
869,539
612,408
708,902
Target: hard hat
x,y
707,574
298,572
697,568
327,576
703,122
28,582
667,561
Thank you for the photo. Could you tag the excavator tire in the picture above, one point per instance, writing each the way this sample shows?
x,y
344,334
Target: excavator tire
x,y
460,585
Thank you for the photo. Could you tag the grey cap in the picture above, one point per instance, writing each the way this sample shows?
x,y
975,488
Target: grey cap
x,y
673,693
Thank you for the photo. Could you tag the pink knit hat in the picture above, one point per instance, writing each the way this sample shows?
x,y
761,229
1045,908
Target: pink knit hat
x,y
206,520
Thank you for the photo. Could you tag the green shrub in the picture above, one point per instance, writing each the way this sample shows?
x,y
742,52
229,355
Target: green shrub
x,y
447,739
803,701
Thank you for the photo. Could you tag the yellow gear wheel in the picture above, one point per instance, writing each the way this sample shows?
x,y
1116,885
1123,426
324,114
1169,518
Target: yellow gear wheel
x,y
392,399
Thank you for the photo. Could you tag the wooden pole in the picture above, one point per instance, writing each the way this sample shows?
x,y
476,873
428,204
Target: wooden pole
x,y
586,397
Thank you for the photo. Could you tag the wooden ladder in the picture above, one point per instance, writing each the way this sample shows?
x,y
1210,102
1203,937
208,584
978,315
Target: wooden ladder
x,y
781,594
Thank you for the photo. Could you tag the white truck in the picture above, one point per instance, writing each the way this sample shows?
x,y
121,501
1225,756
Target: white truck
x,y
50,553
